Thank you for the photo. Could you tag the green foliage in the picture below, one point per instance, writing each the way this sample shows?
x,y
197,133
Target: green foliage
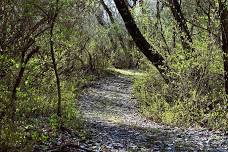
x,y
84,48
195,93
194,96
40,111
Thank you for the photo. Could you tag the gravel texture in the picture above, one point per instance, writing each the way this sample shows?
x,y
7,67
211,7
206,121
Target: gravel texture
x,y
115,124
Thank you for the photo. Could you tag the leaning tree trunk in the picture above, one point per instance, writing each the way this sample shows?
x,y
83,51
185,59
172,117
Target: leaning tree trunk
x,y
52,25
120,38
178,15
224,27
24,61
140,41
56,71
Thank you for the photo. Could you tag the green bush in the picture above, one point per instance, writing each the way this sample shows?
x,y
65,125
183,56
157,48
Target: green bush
x,y
195,95
36,113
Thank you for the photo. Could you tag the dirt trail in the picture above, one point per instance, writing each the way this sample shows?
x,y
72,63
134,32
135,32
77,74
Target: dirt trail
x,y
116,125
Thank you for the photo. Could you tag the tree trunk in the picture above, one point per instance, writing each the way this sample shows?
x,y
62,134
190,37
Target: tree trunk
x,y
160,27
224,27
24,61
120,37
14,92
59,110
186,38
56,71
174,37
156,58
108,11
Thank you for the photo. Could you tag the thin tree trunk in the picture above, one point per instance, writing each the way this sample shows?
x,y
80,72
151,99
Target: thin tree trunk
x,y
59,110
174,37
120,38
56,71
224,26
159,22
108,11
186,38
114,44
14,92
24,61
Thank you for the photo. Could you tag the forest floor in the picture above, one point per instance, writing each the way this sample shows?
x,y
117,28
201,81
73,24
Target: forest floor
x,y
115,123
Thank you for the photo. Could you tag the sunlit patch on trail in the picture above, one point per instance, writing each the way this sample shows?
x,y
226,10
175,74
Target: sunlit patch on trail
x,y
115,123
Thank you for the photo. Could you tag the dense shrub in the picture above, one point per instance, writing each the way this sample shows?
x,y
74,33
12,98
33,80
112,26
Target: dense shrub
x,y
195,95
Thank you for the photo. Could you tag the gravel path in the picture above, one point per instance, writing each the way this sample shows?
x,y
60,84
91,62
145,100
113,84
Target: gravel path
x,y
115,124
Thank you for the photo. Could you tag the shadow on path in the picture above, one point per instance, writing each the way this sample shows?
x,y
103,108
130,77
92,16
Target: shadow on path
x,y
116,125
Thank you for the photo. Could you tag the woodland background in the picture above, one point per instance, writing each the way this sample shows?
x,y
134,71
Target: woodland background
x,y
50,50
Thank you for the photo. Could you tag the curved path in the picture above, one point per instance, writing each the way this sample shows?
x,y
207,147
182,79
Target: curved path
x,y
115,124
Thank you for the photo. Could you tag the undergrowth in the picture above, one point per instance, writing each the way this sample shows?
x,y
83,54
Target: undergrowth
x,y
158,102
37,121
194,96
